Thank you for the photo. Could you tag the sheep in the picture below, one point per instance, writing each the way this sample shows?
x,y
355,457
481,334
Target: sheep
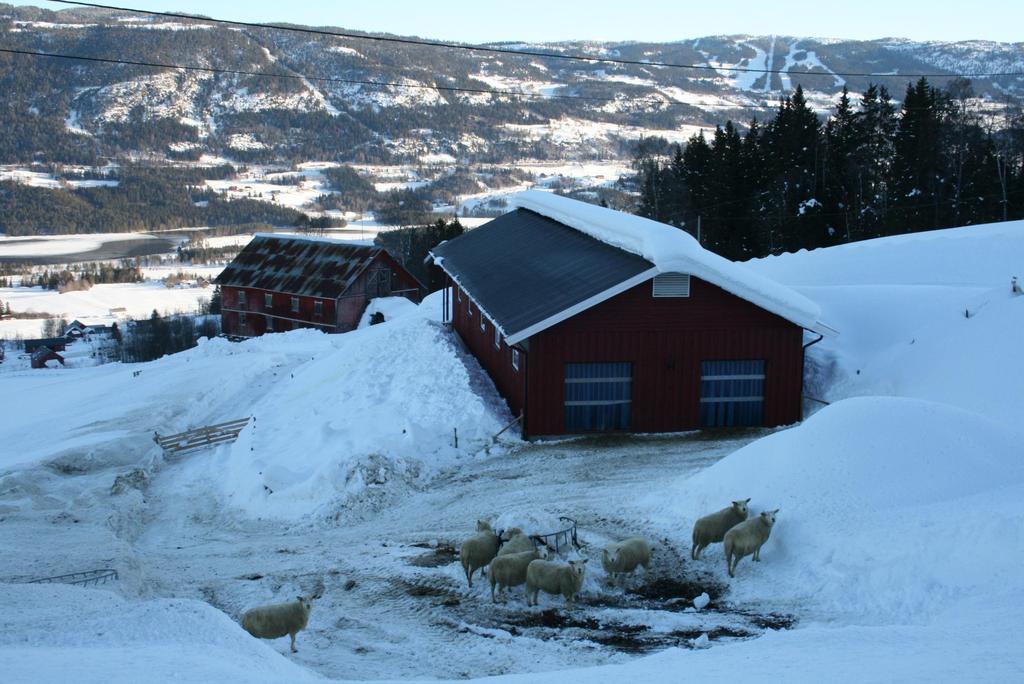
x,y
478,550
516,542
277,620
747,538
509,570
711,528
622,558
554,578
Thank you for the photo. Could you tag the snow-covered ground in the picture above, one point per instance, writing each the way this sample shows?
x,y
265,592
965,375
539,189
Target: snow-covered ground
x,y
898,554
101,304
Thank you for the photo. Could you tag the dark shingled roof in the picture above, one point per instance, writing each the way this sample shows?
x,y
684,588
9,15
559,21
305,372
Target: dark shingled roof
x,y
308,267
523,268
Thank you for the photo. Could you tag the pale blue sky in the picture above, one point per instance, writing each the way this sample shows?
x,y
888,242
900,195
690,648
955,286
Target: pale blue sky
x,y
653,20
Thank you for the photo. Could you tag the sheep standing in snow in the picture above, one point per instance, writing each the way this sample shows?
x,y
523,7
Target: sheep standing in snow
x,y
622,558
509,569
711,528
747,538
478,550
554,578
517,542
277,620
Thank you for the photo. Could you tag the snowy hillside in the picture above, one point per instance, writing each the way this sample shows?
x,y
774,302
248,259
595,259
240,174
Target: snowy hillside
x,y
896,555
327,105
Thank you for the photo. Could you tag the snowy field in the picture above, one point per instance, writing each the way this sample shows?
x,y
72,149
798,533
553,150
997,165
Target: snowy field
x,y
101,304
898,554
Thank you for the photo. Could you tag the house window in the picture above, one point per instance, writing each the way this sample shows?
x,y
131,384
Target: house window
x,y
458,292
672,285
241,318
295,305
268,301
270,323
318,308
515,359
483,324
241,298
469,308
497,338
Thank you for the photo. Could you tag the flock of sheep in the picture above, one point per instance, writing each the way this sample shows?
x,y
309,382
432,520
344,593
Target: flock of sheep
x,y
512,558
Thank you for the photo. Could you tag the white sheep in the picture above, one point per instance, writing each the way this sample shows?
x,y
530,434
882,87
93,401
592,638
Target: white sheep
x,y
277,620
554,578
516,541
509,570
747,538
711,528
622,558
478,550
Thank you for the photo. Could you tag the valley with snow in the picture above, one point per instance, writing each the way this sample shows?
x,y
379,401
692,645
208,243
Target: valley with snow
x,y
896,555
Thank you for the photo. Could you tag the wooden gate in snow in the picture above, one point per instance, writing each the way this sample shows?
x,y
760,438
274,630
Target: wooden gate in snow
x,y
201,438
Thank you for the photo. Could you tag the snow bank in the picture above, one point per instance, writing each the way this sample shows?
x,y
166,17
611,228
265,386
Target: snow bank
x,y
380,405
390,307
890,510
57,633
674,250
974,255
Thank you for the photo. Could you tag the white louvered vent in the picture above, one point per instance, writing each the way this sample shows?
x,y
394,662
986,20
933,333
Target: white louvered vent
x,y
672,285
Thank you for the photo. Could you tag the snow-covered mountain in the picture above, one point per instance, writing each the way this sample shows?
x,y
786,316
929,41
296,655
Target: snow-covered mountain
x,y
328,106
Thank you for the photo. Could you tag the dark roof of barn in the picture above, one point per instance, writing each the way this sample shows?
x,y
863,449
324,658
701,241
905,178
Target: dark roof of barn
x,y
51,342
310,267
523,268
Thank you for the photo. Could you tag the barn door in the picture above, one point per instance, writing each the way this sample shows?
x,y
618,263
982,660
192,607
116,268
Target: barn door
x,y
731,393
598,397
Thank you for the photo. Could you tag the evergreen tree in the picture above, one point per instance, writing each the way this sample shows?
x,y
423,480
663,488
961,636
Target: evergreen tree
x,y
876,126
917,164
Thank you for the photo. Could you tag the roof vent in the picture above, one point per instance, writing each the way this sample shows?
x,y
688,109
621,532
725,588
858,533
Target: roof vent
x,y
672,285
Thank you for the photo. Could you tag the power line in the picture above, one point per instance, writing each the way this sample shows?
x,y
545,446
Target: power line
x,y
377,84
522,53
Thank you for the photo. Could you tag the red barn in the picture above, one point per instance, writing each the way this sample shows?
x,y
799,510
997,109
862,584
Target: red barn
x,y
592,320
282,282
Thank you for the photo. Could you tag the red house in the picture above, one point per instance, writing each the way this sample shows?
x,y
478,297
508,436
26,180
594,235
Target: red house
x,y
591,320
282,282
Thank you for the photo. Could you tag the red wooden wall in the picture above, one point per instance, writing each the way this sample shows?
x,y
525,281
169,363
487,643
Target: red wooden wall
x,y
339,315
665,339
497,361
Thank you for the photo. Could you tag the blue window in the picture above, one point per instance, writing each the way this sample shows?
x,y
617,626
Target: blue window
x,y
598,396
732,393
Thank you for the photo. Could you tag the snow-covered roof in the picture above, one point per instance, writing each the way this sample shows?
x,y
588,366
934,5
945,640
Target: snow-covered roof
x,y
675,251
298,265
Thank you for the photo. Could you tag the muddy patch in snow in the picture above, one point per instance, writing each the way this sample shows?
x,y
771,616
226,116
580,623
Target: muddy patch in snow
x,y
443,553
653,615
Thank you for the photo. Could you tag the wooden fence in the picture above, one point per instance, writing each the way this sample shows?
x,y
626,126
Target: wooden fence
x,y
201,438
84,579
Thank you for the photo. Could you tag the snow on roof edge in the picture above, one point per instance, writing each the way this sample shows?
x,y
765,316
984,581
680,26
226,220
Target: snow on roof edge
x,y
673,250
312,238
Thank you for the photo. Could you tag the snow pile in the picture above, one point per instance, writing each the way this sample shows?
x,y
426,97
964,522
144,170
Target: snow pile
x,y
389,307
381,404
121,641
890,510
985,255
674,251
928,315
